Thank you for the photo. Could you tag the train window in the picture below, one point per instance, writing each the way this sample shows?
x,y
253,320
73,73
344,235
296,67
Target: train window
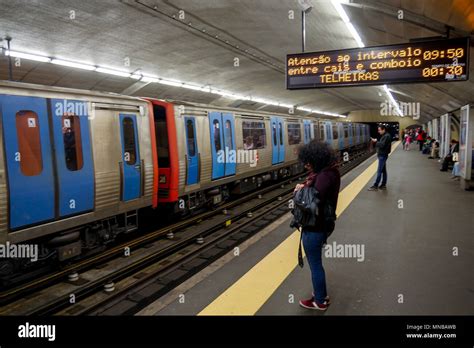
x,y
346,131
280,128
217,135
72,142
190,138
315,130
129,141
228,135
335,133
29,143
161,136
275,139
307,131
321,133
294,133
254,135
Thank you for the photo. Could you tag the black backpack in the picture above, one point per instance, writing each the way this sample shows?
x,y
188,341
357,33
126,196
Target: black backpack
x,y
305,207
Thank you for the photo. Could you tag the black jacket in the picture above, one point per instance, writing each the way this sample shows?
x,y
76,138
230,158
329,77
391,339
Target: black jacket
x,y
327,183
384,145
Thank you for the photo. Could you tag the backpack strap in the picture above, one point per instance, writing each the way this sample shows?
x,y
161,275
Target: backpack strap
x,y
300,251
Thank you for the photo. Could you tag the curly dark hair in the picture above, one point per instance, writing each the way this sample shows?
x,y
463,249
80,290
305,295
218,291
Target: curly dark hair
x,y
318,154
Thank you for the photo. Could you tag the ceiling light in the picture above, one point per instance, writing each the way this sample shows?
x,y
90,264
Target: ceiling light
x,y
342,13
113,72
73,65
150,79
28,56
392,100
340,10
193,87
170,83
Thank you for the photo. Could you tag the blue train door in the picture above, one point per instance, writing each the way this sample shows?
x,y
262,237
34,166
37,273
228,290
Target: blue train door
x,y
217,145
222,144
349,131
131,183
28,160
307,131
340,129
229,144
328,131
275,139
278,147
192,153
73,156
357,133
281,145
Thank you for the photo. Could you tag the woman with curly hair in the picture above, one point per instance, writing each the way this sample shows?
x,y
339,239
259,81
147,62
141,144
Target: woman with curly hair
x,y
321,162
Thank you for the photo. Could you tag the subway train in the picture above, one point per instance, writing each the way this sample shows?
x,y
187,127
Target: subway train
x,y
78,167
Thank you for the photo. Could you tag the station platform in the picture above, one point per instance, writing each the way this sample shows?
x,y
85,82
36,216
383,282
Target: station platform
x,y
414,257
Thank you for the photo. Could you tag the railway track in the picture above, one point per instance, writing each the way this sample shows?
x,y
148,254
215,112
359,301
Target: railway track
x,y
126,278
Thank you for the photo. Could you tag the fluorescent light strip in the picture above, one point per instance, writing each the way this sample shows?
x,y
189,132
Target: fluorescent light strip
x,y
28,56
342,13
313,111
170,83
73,64
392,100
150,79
193,87
340,10
113,72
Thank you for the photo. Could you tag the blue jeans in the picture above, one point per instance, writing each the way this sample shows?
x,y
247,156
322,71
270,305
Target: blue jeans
x,y
382,170
456,170
313,245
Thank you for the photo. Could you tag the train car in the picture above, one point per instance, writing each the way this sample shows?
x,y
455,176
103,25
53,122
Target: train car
x,y
78,168
222,152
192,172
75,166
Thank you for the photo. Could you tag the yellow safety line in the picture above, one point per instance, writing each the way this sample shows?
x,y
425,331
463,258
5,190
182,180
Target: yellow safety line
x,y
252,290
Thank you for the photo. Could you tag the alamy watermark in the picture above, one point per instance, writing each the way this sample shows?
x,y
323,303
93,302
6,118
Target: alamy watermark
x,y
407,109
238,156
346,251
74,108
28,330
19,251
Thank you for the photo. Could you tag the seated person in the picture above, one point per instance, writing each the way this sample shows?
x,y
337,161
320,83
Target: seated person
x,y
448,160
434,150
427,146
248,145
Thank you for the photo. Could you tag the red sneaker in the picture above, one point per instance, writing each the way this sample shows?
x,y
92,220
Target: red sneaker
x,y
326,299
312,304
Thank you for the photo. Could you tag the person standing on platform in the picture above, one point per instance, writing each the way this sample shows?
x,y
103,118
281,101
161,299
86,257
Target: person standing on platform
x,y
321,161
407,143
383,147
420,138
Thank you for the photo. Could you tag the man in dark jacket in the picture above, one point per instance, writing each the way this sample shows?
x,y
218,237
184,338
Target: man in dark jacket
x,y
383,147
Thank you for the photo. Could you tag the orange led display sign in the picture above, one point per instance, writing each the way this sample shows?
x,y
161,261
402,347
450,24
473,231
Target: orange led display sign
x,y
427,61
